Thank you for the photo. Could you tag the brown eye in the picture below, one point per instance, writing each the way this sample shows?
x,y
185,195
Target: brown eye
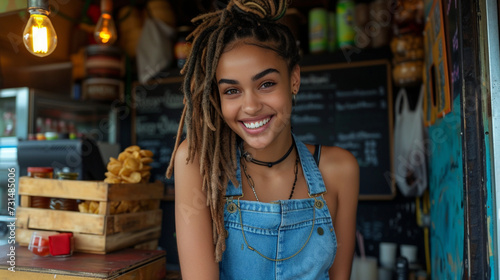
x,y
231,91
267,84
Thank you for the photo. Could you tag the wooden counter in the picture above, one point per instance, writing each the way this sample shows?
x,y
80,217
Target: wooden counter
x,y
120,265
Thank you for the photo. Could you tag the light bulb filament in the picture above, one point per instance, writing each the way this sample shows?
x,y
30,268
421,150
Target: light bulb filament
x,y
105,35
40,34
105,30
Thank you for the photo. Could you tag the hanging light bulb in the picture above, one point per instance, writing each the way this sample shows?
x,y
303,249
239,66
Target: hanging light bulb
x,y
39,35
105,30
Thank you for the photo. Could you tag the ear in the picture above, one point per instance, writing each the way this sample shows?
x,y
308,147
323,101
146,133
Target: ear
x,y
295,79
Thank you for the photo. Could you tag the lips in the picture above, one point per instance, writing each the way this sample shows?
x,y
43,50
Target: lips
x,y
257,124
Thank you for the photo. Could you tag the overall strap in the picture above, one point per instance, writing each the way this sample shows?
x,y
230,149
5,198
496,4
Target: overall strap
x,y
317,153
313,177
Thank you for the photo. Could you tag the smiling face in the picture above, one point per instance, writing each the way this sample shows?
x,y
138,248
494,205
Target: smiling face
x,y
255,88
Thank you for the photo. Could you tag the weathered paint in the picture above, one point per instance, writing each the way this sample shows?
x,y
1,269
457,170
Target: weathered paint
x,y
446,196
490,208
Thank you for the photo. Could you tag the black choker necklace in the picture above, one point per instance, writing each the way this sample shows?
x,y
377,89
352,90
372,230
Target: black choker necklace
x,y
249,157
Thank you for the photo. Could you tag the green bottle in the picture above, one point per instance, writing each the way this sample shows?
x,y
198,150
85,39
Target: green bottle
x,y
345,23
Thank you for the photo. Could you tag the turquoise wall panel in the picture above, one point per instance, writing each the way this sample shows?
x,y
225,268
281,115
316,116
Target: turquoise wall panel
x,y
446,196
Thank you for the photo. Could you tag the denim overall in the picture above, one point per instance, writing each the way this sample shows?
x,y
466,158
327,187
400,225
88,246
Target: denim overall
x,y
284,239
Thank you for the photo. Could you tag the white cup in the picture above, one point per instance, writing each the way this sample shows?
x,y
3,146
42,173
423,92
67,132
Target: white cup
x,y
387,254
409,252
364,268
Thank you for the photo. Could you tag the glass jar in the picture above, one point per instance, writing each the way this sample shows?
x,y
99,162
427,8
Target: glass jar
x,y
39,243
57,203
40,172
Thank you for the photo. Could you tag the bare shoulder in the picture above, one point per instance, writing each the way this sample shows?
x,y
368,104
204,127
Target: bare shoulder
x,y
186,173
340,160
340,170
182,153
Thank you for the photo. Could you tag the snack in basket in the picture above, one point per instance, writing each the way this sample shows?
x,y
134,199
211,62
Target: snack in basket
x,y
132,166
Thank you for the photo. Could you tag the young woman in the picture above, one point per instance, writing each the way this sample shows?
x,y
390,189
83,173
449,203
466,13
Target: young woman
x,y
252,201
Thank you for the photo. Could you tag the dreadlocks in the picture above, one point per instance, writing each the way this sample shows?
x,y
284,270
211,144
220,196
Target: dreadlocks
x,y
208,136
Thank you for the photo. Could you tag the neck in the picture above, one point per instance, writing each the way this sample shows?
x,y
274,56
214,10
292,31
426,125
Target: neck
x,y
252,159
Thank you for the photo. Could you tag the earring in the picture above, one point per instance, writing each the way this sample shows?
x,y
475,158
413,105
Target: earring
x,y
294,98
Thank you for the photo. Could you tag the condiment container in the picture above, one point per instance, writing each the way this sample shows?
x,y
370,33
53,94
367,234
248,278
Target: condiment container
x,y
40,172
57,203
61,245
39,243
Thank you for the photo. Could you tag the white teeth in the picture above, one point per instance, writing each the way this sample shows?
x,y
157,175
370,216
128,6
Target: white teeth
x,y
256,124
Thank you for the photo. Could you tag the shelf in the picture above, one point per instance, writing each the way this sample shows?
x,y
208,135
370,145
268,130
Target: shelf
x,y
340,56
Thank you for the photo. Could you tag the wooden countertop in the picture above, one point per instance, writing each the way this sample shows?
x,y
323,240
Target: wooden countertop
x,y
123,264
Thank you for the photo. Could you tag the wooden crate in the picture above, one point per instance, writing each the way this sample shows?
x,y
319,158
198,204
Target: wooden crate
x,y
93,233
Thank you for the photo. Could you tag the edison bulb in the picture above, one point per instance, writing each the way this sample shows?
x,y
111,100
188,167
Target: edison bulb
x,y
39,35
105,31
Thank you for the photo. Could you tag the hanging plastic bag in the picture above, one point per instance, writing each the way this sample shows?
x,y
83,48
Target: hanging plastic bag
x,y
155,48
410,162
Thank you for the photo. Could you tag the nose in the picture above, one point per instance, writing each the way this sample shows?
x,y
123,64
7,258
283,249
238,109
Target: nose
x,y
251,103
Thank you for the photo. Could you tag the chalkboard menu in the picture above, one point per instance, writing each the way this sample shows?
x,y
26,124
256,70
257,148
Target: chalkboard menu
x,y
157,108
349,105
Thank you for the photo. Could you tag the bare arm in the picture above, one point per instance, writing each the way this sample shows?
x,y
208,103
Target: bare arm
x,y
341,176
193,221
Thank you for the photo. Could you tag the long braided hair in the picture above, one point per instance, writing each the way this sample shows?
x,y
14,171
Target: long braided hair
x,y
208,136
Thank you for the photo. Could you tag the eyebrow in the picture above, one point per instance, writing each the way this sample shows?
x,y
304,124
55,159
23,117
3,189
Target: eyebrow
x,y
254,78
264,73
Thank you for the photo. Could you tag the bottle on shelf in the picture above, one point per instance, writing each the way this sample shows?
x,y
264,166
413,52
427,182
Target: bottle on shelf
x,y
318,30
50,129
345,23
